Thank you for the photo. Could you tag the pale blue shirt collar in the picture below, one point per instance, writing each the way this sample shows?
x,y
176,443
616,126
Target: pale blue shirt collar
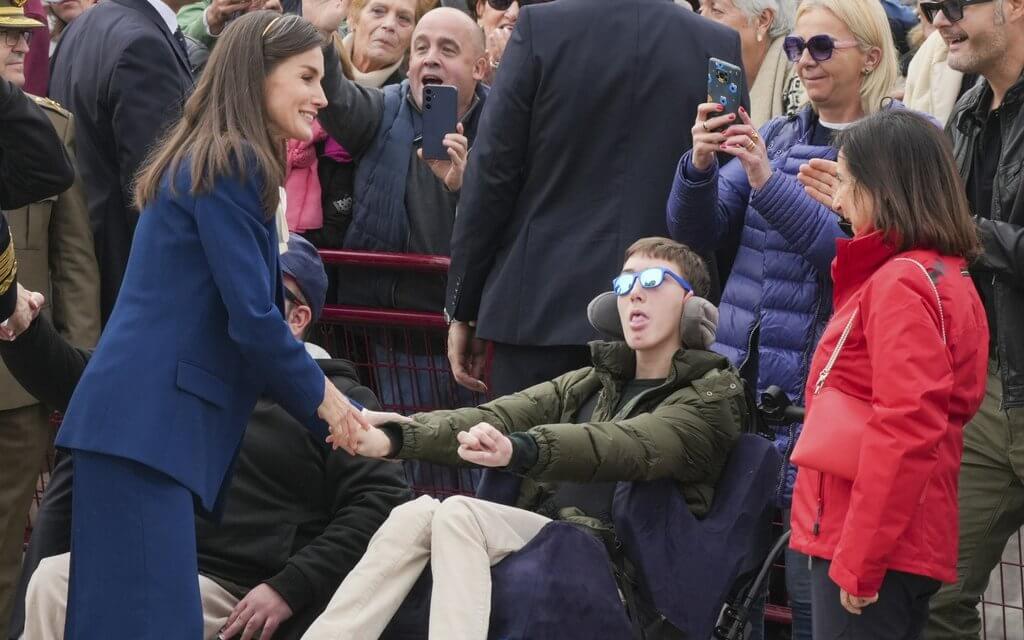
x,y
166,13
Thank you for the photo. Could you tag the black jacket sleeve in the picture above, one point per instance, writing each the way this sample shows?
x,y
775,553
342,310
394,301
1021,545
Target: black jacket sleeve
x,y
494,176
46,364
353,113
1002,249
364,492
33,162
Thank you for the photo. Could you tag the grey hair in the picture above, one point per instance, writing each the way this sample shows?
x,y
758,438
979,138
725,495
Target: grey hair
x,y
784,10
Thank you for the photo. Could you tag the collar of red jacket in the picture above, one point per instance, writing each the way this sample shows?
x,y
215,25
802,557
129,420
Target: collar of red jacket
x,y
856,260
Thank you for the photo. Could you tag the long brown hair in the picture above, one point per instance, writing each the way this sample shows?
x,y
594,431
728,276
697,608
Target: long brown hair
x,y
905,163
225,128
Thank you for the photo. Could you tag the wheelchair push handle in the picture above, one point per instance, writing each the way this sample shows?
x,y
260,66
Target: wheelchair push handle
x,y
777,408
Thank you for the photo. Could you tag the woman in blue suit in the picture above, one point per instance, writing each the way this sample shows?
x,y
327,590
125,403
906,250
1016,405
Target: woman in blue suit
x,y
196,336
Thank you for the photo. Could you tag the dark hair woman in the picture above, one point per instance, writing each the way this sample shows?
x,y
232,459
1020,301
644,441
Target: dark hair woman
x,y
195,338
898,372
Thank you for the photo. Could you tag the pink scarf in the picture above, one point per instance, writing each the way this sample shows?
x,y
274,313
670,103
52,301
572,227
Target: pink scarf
x,y
302,183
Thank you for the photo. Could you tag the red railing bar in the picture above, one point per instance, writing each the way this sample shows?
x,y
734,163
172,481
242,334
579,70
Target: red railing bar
x,y
775,613
385,260
336,314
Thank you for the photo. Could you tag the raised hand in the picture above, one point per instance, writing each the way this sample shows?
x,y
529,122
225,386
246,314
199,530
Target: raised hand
x,y
257,615
744,142
707,139
819,179
486,446
450,171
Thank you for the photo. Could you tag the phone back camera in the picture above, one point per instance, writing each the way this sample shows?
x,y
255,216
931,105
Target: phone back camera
x,y
722,77
428,105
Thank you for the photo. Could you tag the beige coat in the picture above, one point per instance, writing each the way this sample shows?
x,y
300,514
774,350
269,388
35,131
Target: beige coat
x,y
932,87
56,257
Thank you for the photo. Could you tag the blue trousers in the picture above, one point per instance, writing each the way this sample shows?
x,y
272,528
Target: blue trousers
x,y
133,554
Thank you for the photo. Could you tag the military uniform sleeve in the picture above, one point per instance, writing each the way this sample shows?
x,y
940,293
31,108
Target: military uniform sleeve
x,y
74,273
8,272
33,164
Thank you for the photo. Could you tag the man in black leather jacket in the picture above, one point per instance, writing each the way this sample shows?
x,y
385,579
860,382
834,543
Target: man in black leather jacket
x,y
987,128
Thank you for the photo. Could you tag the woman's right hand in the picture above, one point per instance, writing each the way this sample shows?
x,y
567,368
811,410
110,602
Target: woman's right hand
x,y
343,420
706,140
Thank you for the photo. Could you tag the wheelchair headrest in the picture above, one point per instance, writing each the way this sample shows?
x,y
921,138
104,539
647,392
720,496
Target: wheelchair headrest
x,y
697,327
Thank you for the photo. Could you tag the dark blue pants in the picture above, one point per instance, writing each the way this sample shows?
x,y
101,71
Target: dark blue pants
x,y
133,554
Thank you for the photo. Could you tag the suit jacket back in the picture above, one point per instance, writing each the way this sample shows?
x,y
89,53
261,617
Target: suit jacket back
x,y
590,111
118,69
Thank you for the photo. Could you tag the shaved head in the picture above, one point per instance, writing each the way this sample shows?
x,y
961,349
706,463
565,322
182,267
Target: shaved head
x,y
458,24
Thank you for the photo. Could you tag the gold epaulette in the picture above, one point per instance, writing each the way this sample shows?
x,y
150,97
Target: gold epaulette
x,y
52,105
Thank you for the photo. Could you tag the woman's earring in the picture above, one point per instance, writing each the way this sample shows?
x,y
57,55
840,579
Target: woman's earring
x,y
760,36
865,71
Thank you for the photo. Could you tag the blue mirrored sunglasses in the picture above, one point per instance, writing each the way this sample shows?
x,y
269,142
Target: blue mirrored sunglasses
x,y
649,279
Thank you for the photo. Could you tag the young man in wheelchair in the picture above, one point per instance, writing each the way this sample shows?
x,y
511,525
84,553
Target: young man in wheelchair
x,y
656,405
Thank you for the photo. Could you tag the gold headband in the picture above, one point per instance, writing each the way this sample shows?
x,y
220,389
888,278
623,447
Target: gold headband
x,y
270,26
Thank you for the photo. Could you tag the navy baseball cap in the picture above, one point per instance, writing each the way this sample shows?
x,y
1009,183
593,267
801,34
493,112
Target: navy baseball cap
x,y
302,262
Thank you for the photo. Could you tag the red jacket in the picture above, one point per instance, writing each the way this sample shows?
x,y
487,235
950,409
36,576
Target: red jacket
x,y
901,511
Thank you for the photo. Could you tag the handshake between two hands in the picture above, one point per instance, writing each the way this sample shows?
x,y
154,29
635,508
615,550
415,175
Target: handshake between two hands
x,y
358,433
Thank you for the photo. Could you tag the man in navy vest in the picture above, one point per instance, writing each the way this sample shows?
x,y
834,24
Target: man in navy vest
x,y
403,202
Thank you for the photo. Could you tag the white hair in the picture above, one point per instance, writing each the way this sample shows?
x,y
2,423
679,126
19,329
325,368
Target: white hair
x,y
784,11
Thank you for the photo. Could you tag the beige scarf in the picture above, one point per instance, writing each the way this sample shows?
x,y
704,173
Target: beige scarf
x,y
770,85
373,79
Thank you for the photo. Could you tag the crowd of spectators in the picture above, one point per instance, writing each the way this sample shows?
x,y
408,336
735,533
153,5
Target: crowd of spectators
x,y
583,126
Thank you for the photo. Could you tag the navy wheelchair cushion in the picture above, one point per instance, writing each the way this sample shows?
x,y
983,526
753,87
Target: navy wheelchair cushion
x,y
688,567
558,586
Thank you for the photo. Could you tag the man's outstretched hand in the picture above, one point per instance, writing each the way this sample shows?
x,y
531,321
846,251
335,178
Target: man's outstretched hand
x,y
26,310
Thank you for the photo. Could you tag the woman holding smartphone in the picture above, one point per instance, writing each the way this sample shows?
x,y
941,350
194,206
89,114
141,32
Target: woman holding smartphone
x,y
196,336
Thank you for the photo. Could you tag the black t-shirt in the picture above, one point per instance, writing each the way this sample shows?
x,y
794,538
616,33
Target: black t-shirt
x,y
593,498
821,135
984,164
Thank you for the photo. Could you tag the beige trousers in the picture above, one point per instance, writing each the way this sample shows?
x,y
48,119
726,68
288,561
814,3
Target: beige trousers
x,y
462,538
25,437
46,602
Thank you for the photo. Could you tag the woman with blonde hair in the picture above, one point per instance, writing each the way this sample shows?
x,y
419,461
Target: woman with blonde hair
x,y
777,296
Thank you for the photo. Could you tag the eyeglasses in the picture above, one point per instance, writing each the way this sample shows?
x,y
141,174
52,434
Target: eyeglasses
x,y
649,279
821,47
503,5
952,9
294,299
12,37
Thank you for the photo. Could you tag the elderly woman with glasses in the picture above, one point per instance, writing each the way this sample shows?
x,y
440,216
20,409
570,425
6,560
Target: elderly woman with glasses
x,y
763,25
777,297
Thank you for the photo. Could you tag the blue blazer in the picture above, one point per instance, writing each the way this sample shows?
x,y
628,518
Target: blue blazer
x,y
196,336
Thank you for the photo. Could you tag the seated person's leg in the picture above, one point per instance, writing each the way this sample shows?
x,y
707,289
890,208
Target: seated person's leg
x,y
469,537
371,594
46,601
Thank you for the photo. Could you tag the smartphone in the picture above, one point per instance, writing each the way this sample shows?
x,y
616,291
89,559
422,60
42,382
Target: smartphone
x,y
725,85
440,115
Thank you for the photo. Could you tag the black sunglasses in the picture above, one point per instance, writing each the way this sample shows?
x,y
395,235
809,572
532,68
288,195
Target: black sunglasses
x,y
821,47
952,9
503,5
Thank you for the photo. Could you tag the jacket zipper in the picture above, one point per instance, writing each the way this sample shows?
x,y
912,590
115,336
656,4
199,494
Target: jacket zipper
x,y
750,348
816,529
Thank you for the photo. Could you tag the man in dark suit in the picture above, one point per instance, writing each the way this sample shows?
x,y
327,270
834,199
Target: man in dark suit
x,y
573,161
122,69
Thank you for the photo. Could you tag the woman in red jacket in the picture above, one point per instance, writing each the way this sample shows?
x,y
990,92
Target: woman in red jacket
x,y
906,350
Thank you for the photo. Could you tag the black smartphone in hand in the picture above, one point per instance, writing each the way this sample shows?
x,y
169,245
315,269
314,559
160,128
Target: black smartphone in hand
x,y
725,85
440,116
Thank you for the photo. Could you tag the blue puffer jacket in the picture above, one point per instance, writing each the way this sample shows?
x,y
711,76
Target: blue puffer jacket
x,y
778,296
